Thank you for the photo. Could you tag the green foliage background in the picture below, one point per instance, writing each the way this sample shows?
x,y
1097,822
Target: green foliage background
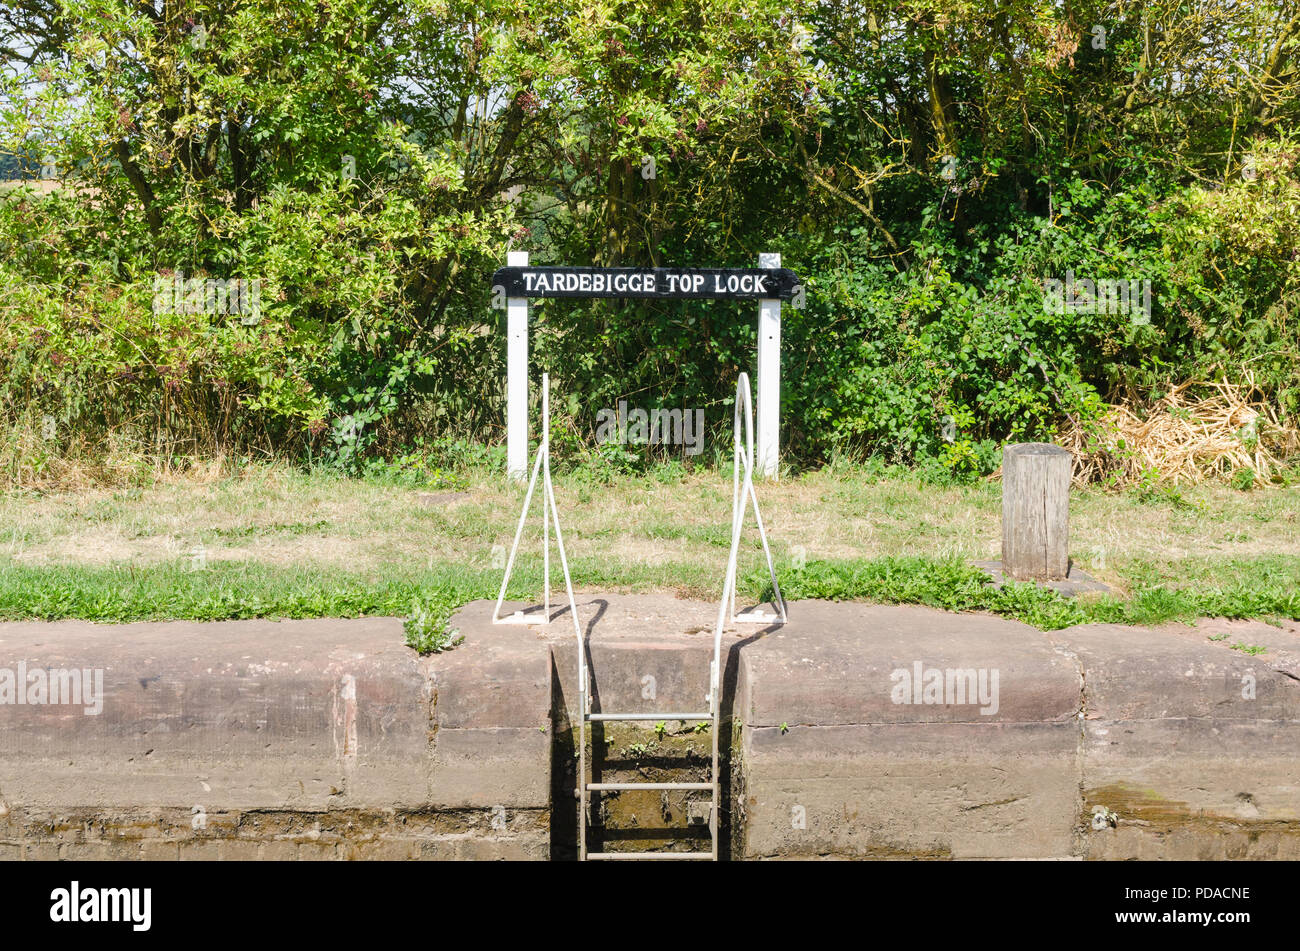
x,y
923,166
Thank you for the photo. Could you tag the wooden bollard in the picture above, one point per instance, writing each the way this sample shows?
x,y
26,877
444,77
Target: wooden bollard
x,y
1035,512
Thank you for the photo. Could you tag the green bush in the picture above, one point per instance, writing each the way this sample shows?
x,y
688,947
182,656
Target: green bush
x,y
370,164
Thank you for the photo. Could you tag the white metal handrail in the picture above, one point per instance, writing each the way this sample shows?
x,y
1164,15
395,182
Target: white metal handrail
x,y
550,514
742,491
743,495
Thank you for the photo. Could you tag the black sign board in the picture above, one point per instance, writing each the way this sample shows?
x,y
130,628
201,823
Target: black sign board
x,y
658,283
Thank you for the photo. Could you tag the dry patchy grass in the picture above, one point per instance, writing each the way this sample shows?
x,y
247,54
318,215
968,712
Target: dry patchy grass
x,y
278,515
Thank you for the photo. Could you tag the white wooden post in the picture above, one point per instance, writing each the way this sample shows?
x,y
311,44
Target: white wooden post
x,y
769,377
517,377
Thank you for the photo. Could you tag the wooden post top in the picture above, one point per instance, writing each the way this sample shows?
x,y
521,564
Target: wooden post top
x,y
1034,449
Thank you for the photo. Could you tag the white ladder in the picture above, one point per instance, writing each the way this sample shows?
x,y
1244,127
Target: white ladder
x,y
742,491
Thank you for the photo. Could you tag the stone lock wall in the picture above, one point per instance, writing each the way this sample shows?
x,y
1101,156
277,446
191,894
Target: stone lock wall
x,y
329,739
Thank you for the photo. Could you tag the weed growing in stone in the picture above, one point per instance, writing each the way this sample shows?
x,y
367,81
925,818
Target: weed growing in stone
x,y
427,631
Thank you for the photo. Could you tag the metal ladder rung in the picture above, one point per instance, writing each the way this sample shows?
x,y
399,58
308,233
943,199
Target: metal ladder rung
x,y
661,856
649,716
607,787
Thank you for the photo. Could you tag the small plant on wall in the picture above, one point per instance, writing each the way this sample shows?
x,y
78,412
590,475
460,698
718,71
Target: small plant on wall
x,y
427,631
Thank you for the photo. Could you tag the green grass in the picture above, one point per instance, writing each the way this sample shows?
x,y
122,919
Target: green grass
x,y
1256,588
1268,588
220,592
240,590
279,542
223,591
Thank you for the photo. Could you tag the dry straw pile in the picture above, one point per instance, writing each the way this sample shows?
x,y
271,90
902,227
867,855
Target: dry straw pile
x,y
1198,431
